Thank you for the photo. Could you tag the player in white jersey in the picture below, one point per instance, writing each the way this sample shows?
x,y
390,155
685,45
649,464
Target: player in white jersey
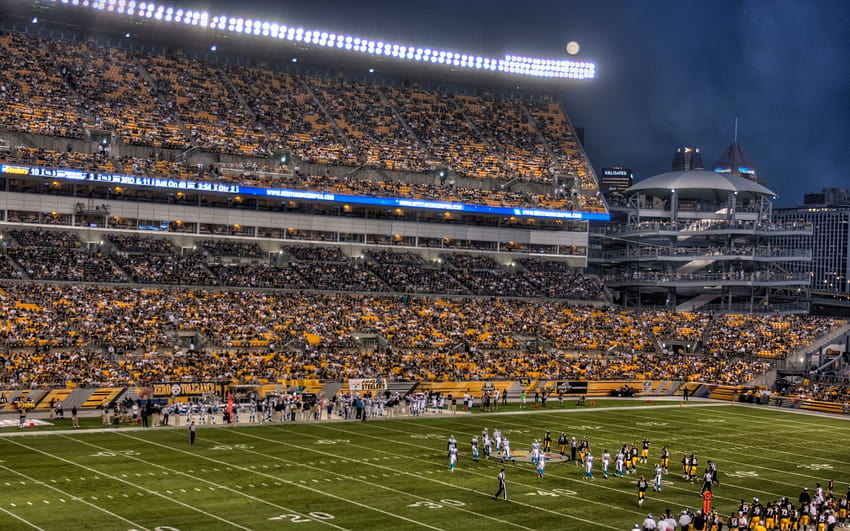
x,y
487,446
588,466
535,451
451,444
506,450
452,458
541,464
619,464
474,443
656,483
497,439
606,461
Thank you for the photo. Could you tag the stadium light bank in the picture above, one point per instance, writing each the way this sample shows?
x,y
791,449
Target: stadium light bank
x,y
510,64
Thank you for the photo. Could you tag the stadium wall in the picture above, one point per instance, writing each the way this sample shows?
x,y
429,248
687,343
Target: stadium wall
x,y
249,218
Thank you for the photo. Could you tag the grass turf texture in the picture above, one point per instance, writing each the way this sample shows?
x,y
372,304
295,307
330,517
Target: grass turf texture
x,y
395,474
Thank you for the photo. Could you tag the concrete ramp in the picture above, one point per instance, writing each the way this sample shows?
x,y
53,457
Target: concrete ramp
x,y
693,266
696,302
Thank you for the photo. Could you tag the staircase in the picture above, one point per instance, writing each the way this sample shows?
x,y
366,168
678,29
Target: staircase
x,y
340,133
161,97
403,122
244,103
540,137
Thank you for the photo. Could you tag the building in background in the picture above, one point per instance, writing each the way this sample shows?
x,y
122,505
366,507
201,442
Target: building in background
x,y
735,162
828,213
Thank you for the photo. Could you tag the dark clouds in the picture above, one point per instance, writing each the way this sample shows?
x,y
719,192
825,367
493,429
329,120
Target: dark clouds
x,y
670,73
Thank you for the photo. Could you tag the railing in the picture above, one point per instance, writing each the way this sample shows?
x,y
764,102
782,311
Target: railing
x,y
759,276
713,252
707,225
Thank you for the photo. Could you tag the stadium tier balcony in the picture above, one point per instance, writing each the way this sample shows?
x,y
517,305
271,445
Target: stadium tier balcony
x,y
430,338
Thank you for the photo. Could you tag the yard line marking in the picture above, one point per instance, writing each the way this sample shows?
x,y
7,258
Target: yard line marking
x,y
60,491
719,450
596,524
672,487
377,485
533,487
16,517
155,493
270,476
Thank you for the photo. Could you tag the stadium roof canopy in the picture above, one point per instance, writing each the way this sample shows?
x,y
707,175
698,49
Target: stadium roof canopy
x,y
698,181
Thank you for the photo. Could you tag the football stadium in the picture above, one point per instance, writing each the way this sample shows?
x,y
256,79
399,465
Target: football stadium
x,y
263,276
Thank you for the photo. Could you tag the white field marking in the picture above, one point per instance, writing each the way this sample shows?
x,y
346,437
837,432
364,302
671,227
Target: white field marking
x,y
789,422
378,485
131,484
292,483
772,425
596,524
596,484
16,517
211,483
725,461
75,498
719,449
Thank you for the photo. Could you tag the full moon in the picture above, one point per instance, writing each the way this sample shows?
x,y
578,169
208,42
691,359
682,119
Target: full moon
x,y
572,47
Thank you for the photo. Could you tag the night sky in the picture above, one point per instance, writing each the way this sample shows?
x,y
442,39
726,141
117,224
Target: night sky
x,y
669,73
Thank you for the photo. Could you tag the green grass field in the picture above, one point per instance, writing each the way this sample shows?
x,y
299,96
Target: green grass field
x,y
395,475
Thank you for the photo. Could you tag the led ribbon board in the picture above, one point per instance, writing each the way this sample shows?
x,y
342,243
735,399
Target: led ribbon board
x,y
304,195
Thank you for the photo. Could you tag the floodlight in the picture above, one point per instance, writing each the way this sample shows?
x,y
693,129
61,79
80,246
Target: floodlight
x,y
213,48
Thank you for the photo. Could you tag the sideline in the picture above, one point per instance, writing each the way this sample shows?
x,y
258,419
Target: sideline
x,y
27,432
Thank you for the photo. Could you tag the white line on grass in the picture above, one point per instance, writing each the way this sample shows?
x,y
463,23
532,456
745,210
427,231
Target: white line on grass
x,y
567,478
720,450
673,487
155,493
597,524
75,498
370,483
291,483
217,485
16,517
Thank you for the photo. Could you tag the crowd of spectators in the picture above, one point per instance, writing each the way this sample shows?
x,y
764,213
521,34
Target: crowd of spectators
x,y
116,96
508,130
362,113
293,118
202,99
251,335
767,336
59,88
35,97
232,248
